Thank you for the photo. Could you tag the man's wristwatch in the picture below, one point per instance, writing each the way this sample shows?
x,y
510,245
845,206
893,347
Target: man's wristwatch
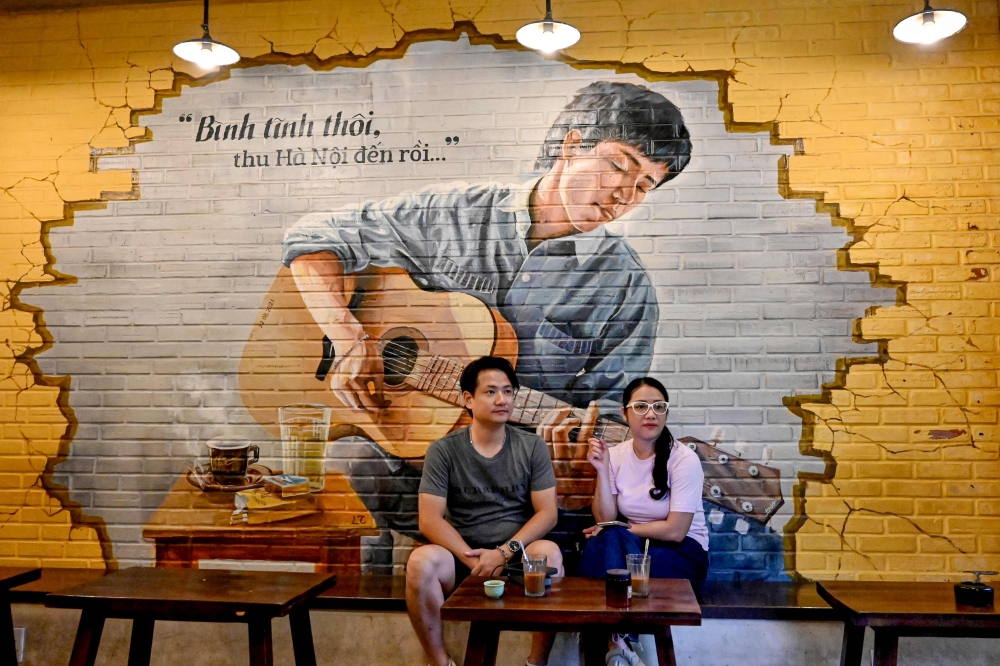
x,y
513,546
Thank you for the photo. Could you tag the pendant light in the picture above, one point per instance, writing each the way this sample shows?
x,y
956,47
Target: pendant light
x,y
929,26
206,52
548,36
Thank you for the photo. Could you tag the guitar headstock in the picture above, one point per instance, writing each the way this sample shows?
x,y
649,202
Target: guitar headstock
x,y
748,489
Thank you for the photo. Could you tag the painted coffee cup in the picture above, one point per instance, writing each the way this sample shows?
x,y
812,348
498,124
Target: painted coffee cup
x,y
229,459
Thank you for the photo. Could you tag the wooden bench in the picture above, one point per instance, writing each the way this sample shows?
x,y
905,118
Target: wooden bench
x,y
749,600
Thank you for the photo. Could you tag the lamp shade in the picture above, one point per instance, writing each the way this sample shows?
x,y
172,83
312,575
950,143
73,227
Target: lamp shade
x,y
929,26
206,52
548,36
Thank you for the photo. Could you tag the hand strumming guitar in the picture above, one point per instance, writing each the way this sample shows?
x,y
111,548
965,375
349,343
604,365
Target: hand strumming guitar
x,y
574,478
357,376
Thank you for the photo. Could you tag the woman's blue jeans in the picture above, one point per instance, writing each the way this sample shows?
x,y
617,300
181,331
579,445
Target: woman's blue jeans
x,y
668,559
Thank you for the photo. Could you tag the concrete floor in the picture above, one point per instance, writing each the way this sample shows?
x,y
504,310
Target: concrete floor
x,y
368,639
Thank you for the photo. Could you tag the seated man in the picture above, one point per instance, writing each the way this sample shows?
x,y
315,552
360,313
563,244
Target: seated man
x,y
496,486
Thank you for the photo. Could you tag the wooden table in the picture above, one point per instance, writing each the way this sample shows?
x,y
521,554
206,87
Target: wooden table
x,y
902,609
11,577
193,525
571,604
145,595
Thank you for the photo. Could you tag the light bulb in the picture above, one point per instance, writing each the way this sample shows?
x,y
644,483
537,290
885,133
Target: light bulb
x,y
929,26
206,53
548,36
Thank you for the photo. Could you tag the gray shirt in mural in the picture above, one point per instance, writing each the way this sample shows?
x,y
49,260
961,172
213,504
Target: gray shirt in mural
x,y
583,306
489,499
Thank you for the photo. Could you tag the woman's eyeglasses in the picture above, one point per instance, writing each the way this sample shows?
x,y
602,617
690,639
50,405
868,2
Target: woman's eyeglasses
x,y
640,407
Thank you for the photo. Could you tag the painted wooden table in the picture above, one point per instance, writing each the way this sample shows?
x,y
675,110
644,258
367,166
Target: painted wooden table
x,y
193,525
902,609
11,577
571,604
145,595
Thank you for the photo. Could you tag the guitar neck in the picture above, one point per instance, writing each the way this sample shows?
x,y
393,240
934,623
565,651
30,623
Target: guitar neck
x,y
531,406
439,376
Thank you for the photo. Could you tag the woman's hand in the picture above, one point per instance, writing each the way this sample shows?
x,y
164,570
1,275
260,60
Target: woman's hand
x,y
598,455
592,531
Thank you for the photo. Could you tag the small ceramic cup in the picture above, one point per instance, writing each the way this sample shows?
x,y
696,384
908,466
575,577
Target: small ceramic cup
x,y
493,588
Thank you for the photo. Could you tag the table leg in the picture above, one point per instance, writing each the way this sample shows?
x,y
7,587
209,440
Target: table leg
x,y
302,637
140,647
8,650
853,645
261,650
886,646
482,647
665,648
594,645
88,638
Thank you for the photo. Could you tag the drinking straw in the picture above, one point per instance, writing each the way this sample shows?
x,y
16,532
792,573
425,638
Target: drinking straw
x,y
645,553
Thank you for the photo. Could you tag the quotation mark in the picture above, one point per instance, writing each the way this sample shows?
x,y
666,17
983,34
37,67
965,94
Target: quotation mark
x,y
185,119
451,140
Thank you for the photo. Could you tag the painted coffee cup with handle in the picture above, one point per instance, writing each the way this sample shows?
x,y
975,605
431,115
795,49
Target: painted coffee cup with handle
x,y
229,459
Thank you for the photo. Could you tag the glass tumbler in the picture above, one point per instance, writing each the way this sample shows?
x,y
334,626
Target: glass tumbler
x,y
638,567
535,568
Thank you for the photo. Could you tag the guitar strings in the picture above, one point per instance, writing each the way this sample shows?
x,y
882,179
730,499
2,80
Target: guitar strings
x,y
400,364
396,357
401,356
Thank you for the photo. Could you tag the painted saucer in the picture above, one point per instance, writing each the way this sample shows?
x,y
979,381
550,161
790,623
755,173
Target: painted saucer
x,y
200,476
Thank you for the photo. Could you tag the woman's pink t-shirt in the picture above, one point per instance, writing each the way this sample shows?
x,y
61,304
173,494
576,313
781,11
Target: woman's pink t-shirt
x,y
632,479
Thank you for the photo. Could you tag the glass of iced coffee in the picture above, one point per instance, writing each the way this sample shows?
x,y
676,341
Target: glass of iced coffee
x,y
535,568
638,566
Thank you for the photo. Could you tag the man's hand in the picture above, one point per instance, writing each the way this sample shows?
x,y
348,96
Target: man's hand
x,y
359,377
568,458
326,291
555,429
489,561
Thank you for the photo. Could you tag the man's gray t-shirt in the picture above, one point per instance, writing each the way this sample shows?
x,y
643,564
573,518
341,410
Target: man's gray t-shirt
x,y
489,499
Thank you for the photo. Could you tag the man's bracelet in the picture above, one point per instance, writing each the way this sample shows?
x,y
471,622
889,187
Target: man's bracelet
x,y
506,557
353,347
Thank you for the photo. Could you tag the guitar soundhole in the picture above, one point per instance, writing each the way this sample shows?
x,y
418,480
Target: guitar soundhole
x,y
399,355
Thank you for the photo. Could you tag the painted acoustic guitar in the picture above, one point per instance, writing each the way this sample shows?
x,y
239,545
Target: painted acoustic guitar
x,y
426,339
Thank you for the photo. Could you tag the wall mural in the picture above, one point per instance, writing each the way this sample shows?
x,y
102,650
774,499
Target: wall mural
x,y
221,414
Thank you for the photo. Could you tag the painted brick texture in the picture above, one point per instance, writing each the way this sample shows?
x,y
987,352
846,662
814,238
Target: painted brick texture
x,y
898,141
752,307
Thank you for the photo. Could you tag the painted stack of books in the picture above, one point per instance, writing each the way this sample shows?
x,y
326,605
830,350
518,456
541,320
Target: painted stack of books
x,y
283,497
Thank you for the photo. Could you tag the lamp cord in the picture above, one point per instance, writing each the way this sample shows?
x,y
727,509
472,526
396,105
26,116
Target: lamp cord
x,y
205,22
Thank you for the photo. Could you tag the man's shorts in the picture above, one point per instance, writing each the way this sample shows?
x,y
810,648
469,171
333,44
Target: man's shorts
x,y
461,571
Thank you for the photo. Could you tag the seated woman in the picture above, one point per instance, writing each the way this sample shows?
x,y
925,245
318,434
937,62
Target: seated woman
x,y
656,486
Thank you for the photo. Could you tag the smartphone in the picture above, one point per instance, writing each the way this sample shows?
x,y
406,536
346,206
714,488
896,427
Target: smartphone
x,y
614,523
515,572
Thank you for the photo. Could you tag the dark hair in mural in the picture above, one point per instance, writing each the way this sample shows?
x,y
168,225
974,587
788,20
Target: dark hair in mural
x,y
624,112
664,443
470,376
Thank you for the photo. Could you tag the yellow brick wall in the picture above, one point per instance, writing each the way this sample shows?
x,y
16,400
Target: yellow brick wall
x,y
903,142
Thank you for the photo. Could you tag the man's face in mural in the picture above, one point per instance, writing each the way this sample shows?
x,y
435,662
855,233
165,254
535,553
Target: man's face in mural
x,y
494,398
602,184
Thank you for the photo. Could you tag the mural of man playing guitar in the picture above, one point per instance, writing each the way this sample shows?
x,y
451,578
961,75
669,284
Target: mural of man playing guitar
x,y
581,303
